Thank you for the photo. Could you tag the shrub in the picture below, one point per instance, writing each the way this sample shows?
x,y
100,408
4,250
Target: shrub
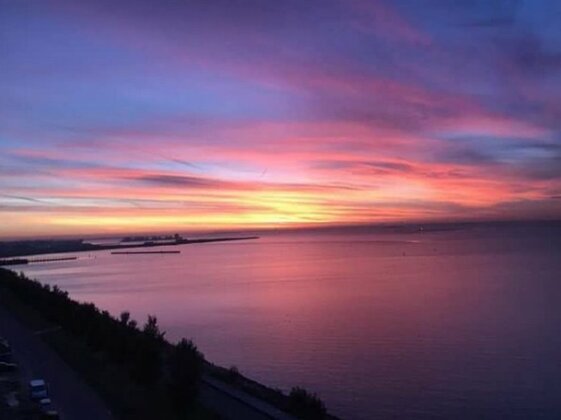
x,y
305,405
185,367
233,374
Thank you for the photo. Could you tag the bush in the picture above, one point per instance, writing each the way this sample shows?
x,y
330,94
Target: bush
x,y
185,368
233,374
305,405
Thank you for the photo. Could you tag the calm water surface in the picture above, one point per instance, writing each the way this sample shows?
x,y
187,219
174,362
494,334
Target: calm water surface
x,y
454,324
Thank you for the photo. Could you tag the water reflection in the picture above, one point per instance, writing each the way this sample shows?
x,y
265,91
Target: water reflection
x,y
449,325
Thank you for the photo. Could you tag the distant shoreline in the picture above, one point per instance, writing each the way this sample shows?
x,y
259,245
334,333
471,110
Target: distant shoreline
x,y
28,248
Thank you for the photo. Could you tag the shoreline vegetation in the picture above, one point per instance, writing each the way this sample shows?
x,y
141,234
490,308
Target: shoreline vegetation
x,y
135,370
39,247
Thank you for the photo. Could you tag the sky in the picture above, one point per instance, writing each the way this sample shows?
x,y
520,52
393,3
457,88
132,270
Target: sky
x,y
169,115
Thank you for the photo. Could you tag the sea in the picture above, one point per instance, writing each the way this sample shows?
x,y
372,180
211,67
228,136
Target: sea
x,y
457,321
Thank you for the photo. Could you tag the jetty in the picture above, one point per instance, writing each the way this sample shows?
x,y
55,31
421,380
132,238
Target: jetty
x,y
144,252
19,261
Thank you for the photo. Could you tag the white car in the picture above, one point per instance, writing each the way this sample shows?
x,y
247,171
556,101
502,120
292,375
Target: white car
x,y
5,351
38,389
5,346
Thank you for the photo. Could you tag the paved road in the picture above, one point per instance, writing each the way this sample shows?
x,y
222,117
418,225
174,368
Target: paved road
x,y
232,404
73,398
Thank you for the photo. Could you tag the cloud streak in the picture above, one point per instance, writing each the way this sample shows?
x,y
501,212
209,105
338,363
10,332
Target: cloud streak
x,y
233,114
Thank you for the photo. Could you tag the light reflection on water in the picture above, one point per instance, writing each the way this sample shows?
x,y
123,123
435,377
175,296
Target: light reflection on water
x,y
461,324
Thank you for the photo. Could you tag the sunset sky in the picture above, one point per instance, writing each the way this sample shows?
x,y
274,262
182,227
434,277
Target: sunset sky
x,y
122,116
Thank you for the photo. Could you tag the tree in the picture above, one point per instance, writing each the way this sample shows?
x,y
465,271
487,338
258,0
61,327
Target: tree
x,y
125,317
152,330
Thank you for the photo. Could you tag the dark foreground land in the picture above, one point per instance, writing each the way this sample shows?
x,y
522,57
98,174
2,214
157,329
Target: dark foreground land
x,y
100,367
73,397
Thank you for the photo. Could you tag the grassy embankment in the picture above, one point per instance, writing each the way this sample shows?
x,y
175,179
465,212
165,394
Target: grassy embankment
x,y
136,389
138,373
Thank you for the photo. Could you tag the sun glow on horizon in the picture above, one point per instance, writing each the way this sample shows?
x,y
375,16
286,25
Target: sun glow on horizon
x,y
108,124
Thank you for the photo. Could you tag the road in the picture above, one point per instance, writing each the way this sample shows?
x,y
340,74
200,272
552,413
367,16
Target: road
x,y
232,404
72,397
